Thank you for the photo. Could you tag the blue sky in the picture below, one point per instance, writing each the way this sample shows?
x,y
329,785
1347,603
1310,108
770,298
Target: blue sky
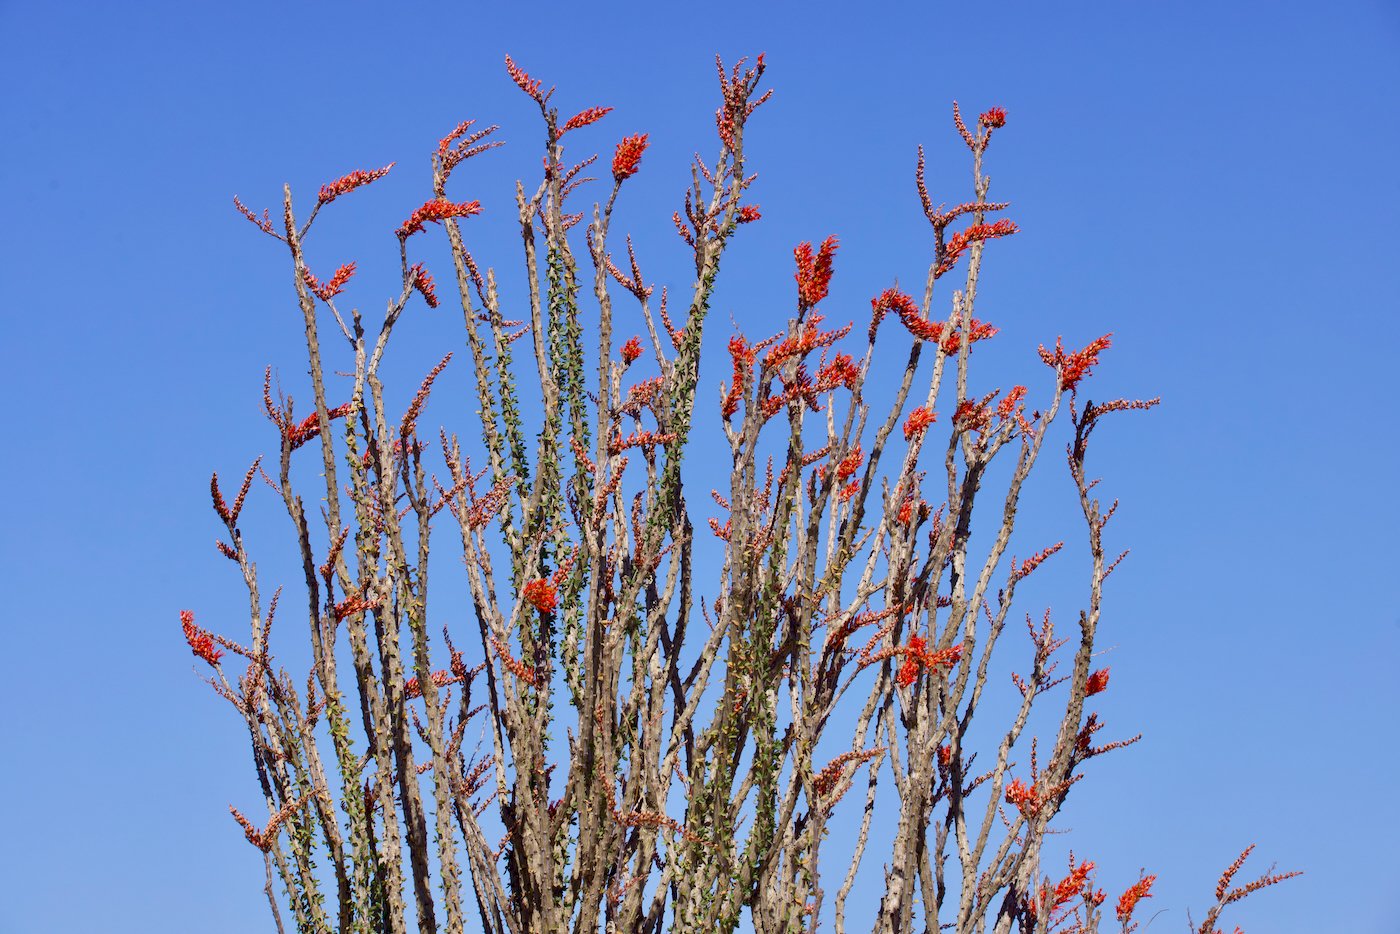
x,y
1213,183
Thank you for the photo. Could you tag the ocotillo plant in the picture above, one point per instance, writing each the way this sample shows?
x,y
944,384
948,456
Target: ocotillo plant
x,y
603,739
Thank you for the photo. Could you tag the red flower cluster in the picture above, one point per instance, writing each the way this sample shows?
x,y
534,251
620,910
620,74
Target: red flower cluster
x,y
631,350
310,426
918,421
744,355
540,594
810,338
993,118
584,118
1008,405
1035,560
441,679
911,508
328,290
527,84
628,156
840,371
849,464
960,241
423,282
814,272
435,211
1136,893
1075,366
348,183
748,214
909,671
1022,796
639,439
1071,885
917,657
949,340
351,606
201,642
1097,683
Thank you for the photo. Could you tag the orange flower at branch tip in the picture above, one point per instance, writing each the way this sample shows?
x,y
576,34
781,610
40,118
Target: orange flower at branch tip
x,y
909,510
201,642
1097,683
918,421
1021,796
435,211
1072,884
850,463
584,118
328,290
423,282
348,183
913,661
628,156
1136,893
1075,366
527,84
748,214
995,117
814,272
631,350
540,594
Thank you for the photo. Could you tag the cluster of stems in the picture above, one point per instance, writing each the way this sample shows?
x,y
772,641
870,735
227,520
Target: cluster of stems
x,y
639,723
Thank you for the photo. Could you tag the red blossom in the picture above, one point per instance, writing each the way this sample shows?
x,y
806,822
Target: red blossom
x,y
1097,683
631,350
351,606
850,464
441,679
310,427
960,241
810,338
1072,884
918,421
435,211
1008,405
540,594
839,371
1073,367
201,642
993,118
628,156
748,214
1135,893
331,288
639,439
584,118
1022,796
814,272
744,355
913,658
348,183
423,282
917,657
1035,560
527,84
911,508
949,339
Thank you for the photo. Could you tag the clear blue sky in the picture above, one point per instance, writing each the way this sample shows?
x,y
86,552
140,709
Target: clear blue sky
x,y
1215,183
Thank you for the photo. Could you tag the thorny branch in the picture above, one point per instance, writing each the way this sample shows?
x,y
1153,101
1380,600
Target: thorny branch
x,y
598,769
